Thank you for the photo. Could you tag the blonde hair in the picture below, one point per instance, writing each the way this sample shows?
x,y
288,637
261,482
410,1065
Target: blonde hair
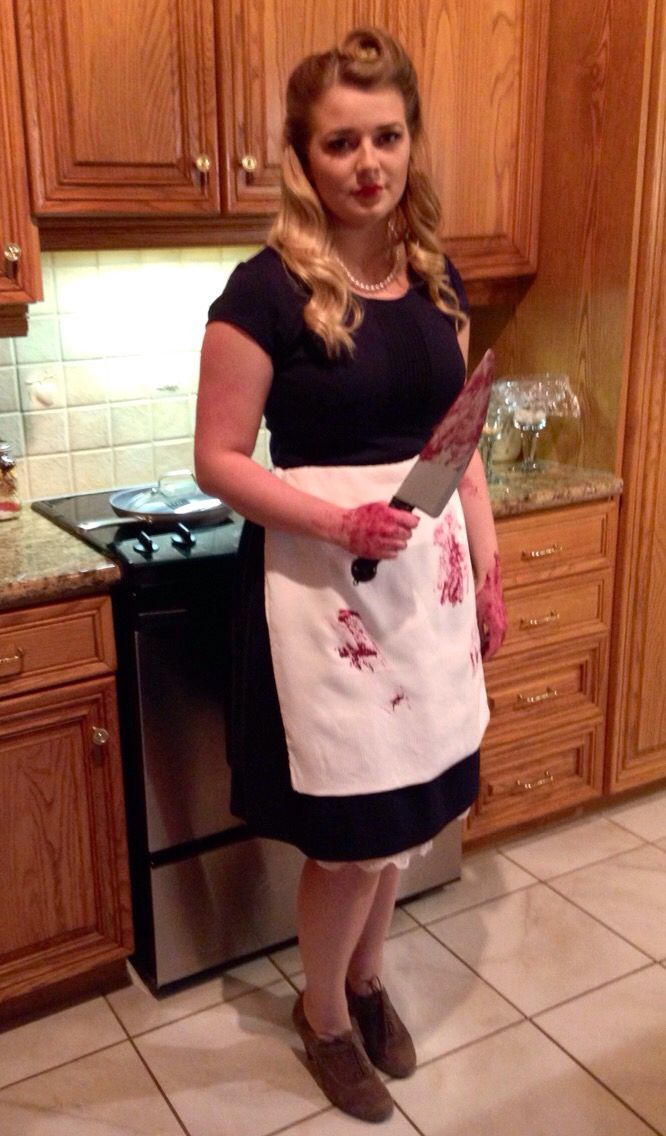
x,y
368,59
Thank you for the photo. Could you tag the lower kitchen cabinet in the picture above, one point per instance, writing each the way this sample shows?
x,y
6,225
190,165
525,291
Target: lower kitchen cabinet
x,y
64,902
544,748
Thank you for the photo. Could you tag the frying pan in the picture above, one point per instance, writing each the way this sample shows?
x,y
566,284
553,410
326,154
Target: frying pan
x,y
175,497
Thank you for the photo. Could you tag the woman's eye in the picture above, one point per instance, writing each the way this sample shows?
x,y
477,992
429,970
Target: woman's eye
x,y
389,137
339,145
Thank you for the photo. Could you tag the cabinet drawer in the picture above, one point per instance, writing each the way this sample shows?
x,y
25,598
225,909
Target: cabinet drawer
x,y
57,643
549,687
557,542
543,614
552,771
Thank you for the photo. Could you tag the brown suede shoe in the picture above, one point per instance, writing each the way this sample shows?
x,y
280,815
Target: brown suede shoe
x,y
342,1070
385,1037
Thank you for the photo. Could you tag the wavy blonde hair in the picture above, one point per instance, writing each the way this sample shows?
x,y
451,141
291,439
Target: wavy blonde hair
x,y
369,58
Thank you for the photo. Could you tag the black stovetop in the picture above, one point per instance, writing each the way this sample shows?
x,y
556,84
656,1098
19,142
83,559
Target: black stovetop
x,y
138,544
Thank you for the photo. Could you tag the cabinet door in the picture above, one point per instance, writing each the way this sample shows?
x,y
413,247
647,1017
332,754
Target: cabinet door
x,y
482,75
64,901
260,44
20,280
637,737
120,101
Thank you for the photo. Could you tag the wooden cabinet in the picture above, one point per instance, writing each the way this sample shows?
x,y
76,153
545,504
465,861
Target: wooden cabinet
x,y
124,105
482,75
20,280
637,735
120,103
260,44
64,903
544,749
482,70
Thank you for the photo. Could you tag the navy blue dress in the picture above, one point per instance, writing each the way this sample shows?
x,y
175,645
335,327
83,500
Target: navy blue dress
x,y
375,407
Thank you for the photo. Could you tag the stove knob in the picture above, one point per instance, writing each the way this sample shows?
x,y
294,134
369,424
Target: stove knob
x,y
183,537
145,544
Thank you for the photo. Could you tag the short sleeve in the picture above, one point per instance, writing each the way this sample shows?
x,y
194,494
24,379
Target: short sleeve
x,y
262,300
456,282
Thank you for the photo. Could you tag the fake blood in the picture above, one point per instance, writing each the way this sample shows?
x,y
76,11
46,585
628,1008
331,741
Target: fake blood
x,y
460,437
490,610
359,647
452,574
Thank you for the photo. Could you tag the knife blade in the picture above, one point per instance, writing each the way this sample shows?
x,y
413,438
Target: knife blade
x,y
443,460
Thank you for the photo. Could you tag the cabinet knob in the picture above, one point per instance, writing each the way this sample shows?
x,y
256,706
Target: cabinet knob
x,y
249,163
12,255
100,736
11,664
203,163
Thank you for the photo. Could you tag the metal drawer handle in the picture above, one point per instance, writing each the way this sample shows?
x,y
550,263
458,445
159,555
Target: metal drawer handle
x,y
539,553
249,163
540,621
100,736
527,786
532,699
11,664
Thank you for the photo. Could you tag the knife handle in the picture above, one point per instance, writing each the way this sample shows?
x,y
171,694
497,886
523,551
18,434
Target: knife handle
x,y
363,568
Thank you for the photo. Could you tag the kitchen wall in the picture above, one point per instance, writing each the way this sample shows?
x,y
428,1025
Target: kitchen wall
x,y
101,392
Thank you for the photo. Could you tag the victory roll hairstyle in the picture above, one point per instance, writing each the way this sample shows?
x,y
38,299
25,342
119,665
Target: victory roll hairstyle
x,y
368,59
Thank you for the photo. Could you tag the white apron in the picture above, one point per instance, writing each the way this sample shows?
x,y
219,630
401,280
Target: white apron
x,y
380,684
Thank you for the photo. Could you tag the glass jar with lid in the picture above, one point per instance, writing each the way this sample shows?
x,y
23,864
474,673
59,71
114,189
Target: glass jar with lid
x,y
10,503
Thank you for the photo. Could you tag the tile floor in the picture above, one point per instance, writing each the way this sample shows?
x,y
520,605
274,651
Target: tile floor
x,y
535,988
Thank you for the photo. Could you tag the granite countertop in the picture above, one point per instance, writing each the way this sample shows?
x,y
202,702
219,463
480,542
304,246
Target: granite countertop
x,y
549,487
41,562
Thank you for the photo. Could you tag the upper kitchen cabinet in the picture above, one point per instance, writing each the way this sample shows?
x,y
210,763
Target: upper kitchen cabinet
x,y
20,280
482,71
120,107
260,42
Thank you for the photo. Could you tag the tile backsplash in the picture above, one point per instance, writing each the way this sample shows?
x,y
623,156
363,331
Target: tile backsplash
x,y
101,392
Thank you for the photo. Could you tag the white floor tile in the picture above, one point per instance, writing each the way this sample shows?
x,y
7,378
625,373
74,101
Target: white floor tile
x,y
105,1094
516,1083
235,1069
485,875
335,1123
140,1010
537,949
570,846
443,1004
619,1034
645,817
627,893
57,1038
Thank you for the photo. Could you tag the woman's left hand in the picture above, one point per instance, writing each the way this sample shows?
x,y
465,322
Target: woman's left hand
x,y
491,612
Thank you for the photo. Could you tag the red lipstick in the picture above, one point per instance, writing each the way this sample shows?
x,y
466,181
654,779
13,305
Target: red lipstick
x,y
368,191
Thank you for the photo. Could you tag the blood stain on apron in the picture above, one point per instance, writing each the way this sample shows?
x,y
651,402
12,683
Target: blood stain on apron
x,y
359,647
451,578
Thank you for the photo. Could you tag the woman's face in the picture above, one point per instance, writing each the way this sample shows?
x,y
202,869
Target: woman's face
x,y
358,154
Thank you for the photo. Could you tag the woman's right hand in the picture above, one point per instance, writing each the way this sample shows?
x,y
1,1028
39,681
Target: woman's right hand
x,y
376,530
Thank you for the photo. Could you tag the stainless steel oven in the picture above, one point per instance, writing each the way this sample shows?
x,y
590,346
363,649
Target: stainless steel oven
x,y
206,892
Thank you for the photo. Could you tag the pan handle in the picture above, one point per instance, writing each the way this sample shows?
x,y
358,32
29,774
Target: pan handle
x,y
363,568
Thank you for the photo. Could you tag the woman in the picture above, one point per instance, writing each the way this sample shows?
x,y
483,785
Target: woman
x,y
365,705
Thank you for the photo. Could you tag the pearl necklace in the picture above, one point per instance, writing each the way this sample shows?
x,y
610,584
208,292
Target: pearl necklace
x,y
362,286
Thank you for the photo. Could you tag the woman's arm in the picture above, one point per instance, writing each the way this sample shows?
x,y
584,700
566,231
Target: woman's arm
x,y
234,382
480,525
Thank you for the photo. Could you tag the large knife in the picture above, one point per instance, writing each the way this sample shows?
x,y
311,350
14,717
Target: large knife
x,y
443,460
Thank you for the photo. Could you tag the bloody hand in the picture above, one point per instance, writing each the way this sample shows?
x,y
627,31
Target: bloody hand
x,y
376,530
490,612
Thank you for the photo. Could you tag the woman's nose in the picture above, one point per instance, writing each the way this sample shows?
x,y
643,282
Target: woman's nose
x,y
367,156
